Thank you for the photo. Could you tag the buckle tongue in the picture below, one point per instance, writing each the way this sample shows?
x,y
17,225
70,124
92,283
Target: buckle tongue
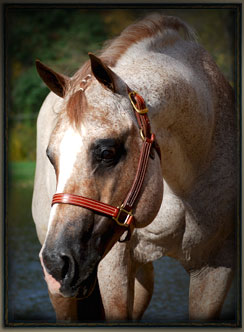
x,y
128,217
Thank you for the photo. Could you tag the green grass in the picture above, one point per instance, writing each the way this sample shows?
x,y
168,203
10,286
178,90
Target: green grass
x,y
21,171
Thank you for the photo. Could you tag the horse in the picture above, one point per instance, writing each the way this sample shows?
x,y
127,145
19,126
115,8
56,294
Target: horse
x,y
136,160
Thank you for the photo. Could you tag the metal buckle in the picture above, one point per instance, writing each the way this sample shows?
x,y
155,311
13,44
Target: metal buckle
x,y
128,218
143,111
142,135
146,139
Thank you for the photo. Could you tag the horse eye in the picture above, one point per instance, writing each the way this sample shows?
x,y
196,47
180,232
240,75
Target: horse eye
x,y
108,154
48,153
50,156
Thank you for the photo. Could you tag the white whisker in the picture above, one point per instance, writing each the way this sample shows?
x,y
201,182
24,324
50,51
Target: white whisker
x,y
94,170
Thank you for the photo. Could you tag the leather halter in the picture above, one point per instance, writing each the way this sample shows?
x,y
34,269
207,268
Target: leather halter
x,y
122,214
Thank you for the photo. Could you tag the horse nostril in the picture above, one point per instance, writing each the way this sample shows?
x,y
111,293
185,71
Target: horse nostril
x,y
69,270
66,266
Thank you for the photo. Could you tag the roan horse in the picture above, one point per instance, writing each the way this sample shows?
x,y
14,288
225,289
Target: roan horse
x,y
89,147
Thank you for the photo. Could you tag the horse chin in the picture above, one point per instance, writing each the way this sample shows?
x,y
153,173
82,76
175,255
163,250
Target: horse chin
x,y
80,290
88,290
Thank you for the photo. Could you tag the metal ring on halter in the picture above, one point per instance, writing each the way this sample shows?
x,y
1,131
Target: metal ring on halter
x,y
128,218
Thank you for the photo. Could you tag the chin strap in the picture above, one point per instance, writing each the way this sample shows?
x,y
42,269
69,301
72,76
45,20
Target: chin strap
x,y
122,214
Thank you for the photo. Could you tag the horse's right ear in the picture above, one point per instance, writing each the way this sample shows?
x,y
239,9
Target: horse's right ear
x,y
56,82
106,76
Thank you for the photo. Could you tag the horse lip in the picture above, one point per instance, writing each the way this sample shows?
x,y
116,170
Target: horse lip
x,y
92,284
80,290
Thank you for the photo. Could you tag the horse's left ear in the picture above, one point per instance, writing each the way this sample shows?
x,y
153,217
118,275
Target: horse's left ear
x,y
106,76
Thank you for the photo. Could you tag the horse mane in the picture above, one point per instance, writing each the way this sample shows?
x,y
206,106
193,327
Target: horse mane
x,y
167,27
149,26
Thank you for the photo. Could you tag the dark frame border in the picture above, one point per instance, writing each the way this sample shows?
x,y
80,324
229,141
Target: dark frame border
x,y
238,87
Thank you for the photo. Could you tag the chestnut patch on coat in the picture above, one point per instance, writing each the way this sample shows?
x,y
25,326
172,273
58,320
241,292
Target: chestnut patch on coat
x,y
76,105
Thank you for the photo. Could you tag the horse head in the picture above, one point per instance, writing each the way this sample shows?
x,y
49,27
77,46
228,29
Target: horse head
x,y
95,151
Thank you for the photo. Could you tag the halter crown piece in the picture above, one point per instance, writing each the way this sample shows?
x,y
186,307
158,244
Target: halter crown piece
x,y
122,214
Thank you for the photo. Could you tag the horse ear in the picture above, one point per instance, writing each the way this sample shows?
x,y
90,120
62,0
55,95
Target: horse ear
x,y
106,76
55,81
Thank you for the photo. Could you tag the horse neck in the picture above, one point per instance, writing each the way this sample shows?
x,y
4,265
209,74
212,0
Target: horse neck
x,y
195,127
181,106
184,134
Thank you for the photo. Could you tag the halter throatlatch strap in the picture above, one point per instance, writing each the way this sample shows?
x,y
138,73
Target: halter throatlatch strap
x,y
143,121
140,174
123,213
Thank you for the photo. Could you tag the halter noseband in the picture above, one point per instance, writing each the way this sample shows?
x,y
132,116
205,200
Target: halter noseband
x,y
123,213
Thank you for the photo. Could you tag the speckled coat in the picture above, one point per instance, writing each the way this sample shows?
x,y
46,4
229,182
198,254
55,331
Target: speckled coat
x,y
188,206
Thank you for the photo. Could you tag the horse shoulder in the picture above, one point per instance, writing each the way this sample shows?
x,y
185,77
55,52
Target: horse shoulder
x,y
164,235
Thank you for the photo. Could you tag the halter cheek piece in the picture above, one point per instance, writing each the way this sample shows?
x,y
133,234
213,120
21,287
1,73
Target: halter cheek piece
x,y
123,213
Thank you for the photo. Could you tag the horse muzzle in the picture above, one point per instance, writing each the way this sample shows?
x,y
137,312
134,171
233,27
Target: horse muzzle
x,y
53,284
76,288
64,276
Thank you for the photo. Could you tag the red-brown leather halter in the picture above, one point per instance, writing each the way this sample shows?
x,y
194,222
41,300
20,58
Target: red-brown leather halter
x,y
123,213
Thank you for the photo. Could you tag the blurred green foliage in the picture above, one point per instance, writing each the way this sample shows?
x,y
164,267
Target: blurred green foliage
x,y
21,171
62,37
22,144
